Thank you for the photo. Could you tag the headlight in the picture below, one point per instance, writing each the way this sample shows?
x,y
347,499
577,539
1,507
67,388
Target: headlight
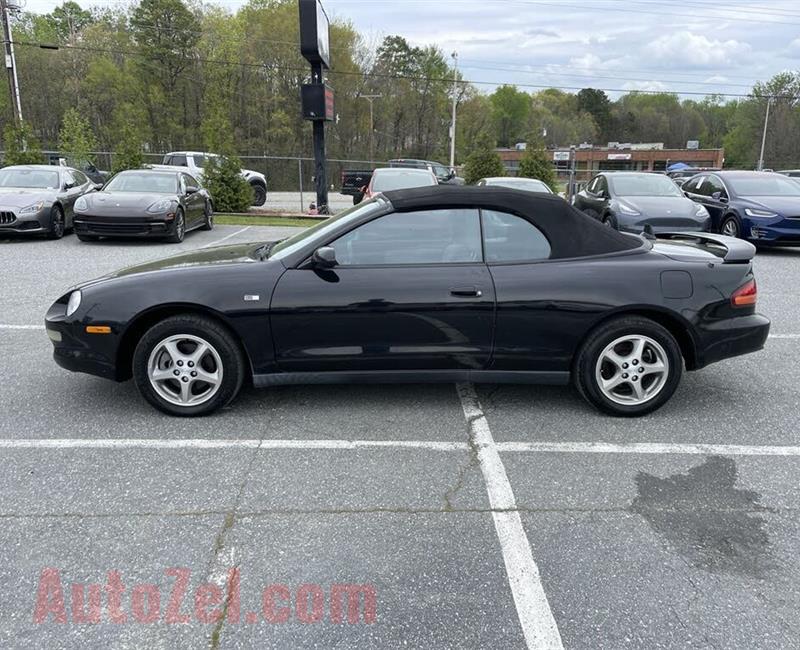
x,y
74,302
626,209
701,211
81,205
764,214
32,209
160,206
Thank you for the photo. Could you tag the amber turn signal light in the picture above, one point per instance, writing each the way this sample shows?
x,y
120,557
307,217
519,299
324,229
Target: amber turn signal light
x,y
98,329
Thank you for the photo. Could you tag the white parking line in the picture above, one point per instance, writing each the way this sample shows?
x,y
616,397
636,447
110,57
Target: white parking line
x,y
3,326
538,624
219,241
224,443
649,448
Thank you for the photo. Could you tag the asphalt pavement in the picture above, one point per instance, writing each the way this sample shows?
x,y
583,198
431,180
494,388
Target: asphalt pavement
x,y
507,517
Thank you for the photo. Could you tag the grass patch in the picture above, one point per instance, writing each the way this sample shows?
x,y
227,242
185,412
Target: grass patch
x,y
262,220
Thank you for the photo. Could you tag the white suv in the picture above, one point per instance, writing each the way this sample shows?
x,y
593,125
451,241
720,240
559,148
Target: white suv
x,y
196,161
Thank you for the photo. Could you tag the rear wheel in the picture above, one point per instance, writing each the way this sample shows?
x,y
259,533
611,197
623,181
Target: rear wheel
x,y
57,223
208,213
188,366
628,367
610,221
259,195
730,227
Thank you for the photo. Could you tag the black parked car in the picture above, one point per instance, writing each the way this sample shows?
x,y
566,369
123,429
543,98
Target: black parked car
x,y
424,285
630,201
39,199
762,207
145,203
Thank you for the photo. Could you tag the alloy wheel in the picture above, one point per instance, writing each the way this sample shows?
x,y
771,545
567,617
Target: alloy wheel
x,y
730,228
632,370
185,370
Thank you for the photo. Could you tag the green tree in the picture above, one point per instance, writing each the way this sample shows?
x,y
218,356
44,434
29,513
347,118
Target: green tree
x,y
128,147
483,162
222,176
76,139
21,145
511,111
535,163
596,103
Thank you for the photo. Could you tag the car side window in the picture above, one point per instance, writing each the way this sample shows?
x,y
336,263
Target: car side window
x,y
690,186
179,160
69,179
593,184
715,185
420,237
509,238
602,186
702,187
189,181
79,177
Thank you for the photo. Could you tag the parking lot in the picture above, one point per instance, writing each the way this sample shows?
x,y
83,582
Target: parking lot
x,y
488,516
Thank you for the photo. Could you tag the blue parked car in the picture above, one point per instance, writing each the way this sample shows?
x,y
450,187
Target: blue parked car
x,y
762,207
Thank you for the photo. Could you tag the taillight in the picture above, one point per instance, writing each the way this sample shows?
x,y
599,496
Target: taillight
x,y
745,295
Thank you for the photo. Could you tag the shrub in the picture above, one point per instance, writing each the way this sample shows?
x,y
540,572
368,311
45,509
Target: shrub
x,y
229,190
482,163
21,145
536,164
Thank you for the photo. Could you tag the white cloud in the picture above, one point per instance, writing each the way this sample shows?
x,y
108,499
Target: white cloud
x,y
644,85
696,50
794,48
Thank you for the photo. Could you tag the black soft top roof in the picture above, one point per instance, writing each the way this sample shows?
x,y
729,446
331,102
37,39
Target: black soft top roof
x,y
570,232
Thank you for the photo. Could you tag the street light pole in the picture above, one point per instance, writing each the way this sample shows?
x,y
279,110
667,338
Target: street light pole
x,y
764,136
453,123
10,62
371,99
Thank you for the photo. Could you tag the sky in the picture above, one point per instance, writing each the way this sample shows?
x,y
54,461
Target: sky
x,y
690,47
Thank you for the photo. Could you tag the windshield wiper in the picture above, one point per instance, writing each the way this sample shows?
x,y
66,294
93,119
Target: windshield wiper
x,y
262,252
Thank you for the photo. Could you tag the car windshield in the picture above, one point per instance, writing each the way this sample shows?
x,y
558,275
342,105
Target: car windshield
x,y
41,179
527,184
296,242
763,185
401,179
644,185
143,182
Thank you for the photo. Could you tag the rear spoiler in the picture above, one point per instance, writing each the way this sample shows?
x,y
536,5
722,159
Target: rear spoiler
x,y
731,249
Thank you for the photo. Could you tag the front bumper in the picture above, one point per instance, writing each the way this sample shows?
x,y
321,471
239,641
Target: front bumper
x,y
775,232
156,226
77,351
13,222
731,337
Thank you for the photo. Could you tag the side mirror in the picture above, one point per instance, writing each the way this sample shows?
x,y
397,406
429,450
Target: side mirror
x,y
324,257
97,187
68,185
191,189
452,174
718,196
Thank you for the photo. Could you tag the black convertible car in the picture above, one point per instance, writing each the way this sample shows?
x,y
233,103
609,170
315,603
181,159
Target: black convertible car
x,y
423,285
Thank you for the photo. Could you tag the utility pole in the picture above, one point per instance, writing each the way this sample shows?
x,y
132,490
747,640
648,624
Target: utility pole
x,y
764,136
11,62
453,123
371,99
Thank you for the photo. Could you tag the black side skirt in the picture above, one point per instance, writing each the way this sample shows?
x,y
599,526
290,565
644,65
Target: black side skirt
x,y
412,377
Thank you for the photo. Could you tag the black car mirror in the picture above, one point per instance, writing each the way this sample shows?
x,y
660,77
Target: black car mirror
x,y
324,257
97,186
191,189
719,196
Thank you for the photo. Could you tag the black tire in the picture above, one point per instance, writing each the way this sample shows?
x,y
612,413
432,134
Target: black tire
x,y
178,228
86,237
208,224
259,194
584,373
217,337
58,225
610,220
732,223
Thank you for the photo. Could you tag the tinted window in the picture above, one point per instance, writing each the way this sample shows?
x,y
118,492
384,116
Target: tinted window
x,y
400,179
602,185
594,184
29,178
423,237
643,185
702,186
79,177
762,184
690,186
135,181
179,160
189,181
509,238
527,184
69,179
713,184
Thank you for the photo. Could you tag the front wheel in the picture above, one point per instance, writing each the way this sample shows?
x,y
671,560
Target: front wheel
x,y
178,228
57,223
628,367
610,221
188,366
730,227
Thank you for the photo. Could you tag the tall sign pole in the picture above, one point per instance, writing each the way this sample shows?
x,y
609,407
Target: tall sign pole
x,y
764,137
455,102
10,62
317,97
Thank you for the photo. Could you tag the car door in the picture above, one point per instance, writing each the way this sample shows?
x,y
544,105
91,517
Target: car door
x,y
72,189
704,190
410,291
195,201
593,199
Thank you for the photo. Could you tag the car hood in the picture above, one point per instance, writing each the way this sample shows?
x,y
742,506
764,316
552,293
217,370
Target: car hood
x,y
111,202
11,197
215,256
656,207
786,205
